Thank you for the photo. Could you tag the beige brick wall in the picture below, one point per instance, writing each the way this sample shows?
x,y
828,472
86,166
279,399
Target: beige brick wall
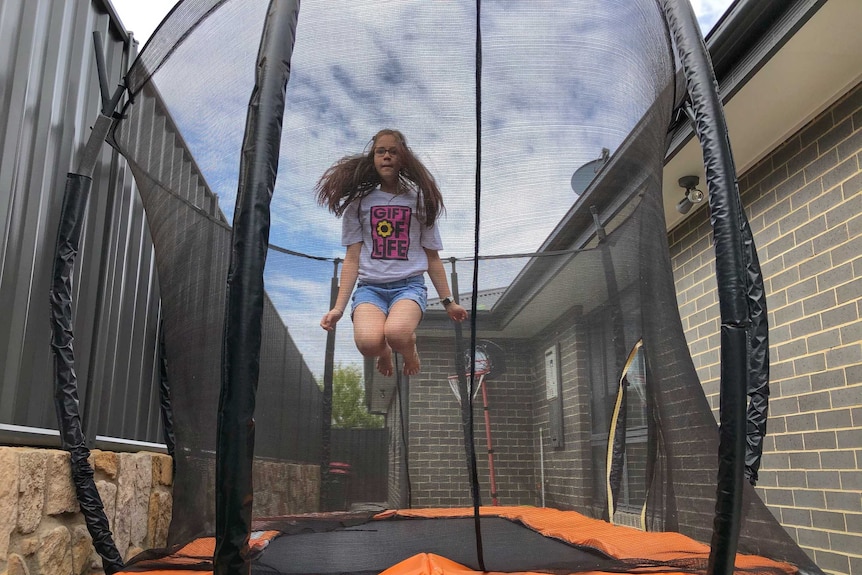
x,y
804,203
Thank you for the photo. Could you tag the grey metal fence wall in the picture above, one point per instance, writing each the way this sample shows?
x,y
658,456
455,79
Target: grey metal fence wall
x,y
366,453
49,97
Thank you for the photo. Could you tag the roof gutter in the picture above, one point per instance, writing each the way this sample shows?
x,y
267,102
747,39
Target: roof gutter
x,y
741,43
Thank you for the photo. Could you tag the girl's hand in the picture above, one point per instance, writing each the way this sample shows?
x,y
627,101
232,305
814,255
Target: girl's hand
x,y
456,312
331,318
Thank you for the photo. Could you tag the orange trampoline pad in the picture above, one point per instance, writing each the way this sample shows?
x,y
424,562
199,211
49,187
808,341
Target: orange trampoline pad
x,y
619,542
429,564
197,556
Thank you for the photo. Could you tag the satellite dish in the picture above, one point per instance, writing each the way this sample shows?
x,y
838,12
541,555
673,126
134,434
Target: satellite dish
x,y
584,175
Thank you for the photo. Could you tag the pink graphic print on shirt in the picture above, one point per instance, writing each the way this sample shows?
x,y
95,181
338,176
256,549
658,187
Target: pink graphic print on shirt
x,y
390,232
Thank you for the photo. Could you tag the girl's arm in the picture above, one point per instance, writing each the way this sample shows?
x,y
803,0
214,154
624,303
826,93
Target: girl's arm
x,y
437,273
349,273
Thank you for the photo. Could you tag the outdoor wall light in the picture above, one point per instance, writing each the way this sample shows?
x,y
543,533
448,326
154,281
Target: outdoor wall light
x,y
692,194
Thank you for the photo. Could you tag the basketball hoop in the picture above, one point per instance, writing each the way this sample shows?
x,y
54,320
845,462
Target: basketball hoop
x,y
483,367
453,383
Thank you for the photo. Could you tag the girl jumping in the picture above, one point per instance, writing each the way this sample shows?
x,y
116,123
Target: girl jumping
x,y
389,204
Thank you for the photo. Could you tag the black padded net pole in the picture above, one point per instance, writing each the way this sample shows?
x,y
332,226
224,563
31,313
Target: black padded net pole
x,y
245,299
66,403
326,417
65,379
728,222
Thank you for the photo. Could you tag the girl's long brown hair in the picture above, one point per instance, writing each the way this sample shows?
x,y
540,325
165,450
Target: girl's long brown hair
x,y
354,177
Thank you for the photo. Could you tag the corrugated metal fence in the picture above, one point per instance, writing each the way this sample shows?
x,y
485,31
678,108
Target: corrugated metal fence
x,y
49,97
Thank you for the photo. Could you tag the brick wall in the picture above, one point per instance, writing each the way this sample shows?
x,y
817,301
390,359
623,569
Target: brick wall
x,y
437,457
518,410
804,203
568,470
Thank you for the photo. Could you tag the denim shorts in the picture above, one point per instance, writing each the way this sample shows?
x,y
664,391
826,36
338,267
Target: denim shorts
x,y
384,295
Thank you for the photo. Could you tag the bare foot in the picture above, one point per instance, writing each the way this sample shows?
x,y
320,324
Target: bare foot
x,y
411,363
384,363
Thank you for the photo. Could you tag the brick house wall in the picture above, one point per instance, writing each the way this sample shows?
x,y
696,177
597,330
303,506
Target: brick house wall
x,y
804,203
438,473
517,410
568,470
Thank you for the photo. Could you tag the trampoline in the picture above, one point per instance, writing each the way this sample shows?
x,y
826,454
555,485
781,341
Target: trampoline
x,y
599,445
516,540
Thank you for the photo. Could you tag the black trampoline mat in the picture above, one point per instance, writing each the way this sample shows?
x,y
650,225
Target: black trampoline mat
x,y
378,545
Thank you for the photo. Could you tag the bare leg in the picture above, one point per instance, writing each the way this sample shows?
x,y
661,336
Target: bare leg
x,y
400,332
368,323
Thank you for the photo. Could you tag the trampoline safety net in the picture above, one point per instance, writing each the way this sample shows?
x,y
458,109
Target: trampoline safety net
x,y
545,125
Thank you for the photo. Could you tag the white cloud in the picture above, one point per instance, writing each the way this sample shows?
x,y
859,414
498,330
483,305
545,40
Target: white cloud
x,y
709,11
558,86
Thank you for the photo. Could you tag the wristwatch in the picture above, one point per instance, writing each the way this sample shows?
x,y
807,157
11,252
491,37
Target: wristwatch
x,y
446,301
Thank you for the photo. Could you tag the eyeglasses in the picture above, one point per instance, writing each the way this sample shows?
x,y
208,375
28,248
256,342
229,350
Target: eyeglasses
x,y
383,151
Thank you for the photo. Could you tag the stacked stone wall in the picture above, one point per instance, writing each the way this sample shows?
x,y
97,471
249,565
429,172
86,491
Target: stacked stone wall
x,y
283,488
42,530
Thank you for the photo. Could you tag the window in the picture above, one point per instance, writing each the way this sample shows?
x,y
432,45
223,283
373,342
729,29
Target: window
x,y
619,411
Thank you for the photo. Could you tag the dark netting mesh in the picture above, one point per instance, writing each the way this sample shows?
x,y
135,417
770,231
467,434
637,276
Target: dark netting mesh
x,y
588,399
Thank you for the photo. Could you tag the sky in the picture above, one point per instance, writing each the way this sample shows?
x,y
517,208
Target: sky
x,y
143,16
552,101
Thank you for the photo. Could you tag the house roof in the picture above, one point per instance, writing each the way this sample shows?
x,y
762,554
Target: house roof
x,y
778,64
485,300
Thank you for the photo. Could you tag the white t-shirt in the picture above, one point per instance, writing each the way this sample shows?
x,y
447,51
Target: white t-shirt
x,y
393,239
